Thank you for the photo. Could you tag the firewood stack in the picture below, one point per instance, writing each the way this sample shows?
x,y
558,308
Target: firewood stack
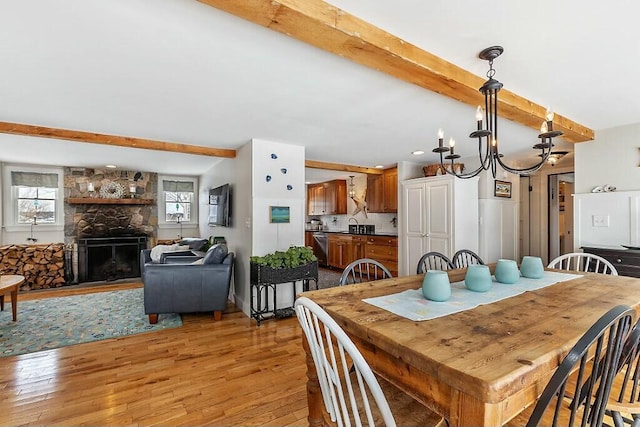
x,y
41,265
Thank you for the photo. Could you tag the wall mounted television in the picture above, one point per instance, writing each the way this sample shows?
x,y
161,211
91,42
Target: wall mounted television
x,y
220,206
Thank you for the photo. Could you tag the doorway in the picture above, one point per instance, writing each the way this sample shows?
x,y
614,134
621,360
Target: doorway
x,y
560,191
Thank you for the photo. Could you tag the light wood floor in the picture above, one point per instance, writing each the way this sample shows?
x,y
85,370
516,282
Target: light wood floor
x,y
226,373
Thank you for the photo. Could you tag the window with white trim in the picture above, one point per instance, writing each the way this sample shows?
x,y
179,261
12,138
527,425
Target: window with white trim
x,y
178,199
34,196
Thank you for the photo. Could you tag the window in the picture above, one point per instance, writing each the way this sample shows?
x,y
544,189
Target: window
x,y
179,198
35,195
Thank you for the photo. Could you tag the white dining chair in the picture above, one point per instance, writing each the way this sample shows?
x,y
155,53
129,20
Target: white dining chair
x,y
579,261
351,393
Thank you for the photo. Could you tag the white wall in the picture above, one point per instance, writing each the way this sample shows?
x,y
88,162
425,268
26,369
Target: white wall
x,y
612,158
268,237
237,236
498,218
608,218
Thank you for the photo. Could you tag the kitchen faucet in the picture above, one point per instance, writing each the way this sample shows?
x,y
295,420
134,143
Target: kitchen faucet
x,y
352,218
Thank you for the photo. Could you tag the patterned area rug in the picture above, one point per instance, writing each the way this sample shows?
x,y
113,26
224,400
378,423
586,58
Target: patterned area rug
x,y
49,323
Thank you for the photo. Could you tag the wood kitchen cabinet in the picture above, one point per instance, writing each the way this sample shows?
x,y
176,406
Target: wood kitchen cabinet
x,y
327,198
383,249
382,192
308,239
340,250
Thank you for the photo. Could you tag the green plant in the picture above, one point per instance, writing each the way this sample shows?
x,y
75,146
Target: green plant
x,y
293,257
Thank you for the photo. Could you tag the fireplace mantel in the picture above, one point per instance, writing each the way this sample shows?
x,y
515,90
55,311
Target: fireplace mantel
x,y
104,201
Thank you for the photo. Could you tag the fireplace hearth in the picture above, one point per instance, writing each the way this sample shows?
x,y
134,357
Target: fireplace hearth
x,y
109,258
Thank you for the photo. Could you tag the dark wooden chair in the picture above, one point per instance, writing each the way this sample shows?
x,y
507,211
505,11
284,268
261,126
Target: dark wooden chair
x,y
465,257
434,261
363,270
574,396
624,400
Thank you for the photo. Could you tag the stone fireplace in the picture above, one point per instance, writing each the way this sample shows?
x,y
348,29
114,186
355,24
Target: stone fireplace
x,y
108,229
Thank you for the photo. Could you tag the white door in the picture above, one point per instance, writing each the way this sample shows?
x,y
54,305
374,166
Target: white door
x,y
415,222
438,226
427,219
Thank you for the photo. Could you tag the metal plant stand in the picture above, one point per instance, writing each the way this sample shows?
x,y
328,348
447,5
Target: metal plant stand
x,y
264,283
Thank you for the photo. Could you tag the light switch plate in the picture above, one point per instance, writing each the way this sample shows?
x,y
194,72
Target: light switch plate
x,y
600,220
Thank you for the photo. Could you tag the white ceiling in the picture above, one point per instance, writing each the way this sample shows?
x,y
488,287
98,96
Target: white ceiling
x,y
181,71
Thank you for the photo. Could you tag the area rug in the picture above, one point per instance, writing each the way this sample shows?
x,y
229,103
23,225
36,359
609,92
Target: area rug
x,y
49,323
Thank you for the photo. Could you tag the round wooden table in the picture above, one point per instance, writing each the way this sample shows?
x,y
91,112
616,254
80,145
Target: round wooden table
x,y
9,284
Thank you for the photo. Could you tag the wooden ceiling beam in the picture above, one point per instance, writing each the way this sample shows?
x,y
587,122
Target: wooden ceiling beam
x,y
114,140
329,28
314,164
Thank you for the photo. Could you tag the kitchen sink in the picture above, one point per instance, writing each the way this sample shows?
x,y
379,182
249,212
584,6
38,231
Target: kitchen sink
x,y
362,229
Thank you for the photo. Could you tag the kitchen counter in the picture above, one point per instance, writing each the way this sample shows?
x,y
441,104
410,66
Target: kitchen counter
x,y
377,233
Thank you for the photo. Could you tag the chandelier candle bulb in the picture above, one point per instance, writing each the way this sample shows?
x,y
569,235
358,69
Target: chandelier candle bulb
x,y
452,144
479,114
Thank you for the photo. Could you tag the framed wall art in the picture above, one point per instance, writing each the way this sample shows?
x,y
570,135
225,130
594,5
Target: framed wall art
x,y
502,189
279,214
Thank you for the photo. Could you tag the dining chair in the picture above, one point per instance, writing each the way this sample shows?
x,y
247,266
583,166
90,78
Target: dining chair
x,y
363,270
434,261
465,257
624,401
580,261
573,396
352,394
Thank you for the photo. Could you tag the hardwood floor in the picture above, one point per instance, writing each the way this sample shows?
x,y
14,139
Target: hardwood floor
x,y
226,373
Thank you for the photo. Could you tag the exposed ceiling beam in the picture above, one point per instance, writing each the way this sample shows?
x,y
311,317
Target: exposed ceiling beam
x,y
120,141
332,29
314,164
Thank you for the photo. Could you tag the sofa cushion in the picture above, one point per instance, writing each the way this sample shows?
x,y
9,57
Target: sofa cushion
x,y
195,244
216,254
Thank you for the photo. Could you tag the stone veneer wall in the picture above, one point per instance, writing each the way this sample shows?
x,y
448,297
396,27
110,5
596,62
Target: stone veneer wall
x,y
100,220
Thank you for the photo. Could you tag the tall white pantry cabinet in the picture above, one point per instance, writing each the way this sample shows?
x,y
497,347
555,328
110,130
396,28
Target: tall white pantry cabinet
x,y
439,214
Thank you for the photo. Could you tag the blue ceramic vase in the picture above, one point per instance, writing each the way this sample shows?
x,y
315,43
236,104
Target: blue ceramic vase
x,y
436,286
531,267
507,271
478,278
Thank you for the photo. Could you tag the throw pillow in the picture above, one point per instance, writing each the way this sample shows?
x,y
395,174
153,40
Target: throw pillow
x,y
195,244
158,250
216,254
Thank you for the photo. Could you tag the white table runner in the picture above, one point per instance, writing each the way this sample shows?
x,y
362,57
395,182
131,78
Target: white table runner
x,y
412,305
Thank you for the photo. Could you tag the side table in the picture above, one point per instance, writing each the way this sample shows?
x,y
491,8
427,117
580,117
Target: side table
x,y
9,284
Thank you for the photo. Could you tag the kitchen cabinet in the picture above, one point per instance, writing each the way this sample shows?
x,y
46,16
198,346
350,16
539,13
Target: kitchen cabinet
x,y
382,192
340,250
439,214
308,239
327,198
383,249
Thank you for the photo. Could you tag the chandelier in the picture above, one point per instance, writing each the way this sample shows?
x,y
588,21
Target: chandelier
x,y
489,154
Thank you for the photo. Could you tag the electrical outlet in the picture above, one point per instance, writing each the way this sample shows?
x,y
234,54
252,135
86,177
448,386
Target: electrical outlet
x,y
600,220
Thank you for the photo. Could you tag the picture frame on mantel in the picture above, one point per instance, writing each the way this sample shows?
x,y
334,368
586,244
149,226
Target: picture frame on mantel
x,y
502,189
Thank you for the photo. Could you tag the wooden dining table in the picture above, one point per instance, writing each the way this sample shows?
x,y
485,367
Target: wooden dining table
x,y
478,367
